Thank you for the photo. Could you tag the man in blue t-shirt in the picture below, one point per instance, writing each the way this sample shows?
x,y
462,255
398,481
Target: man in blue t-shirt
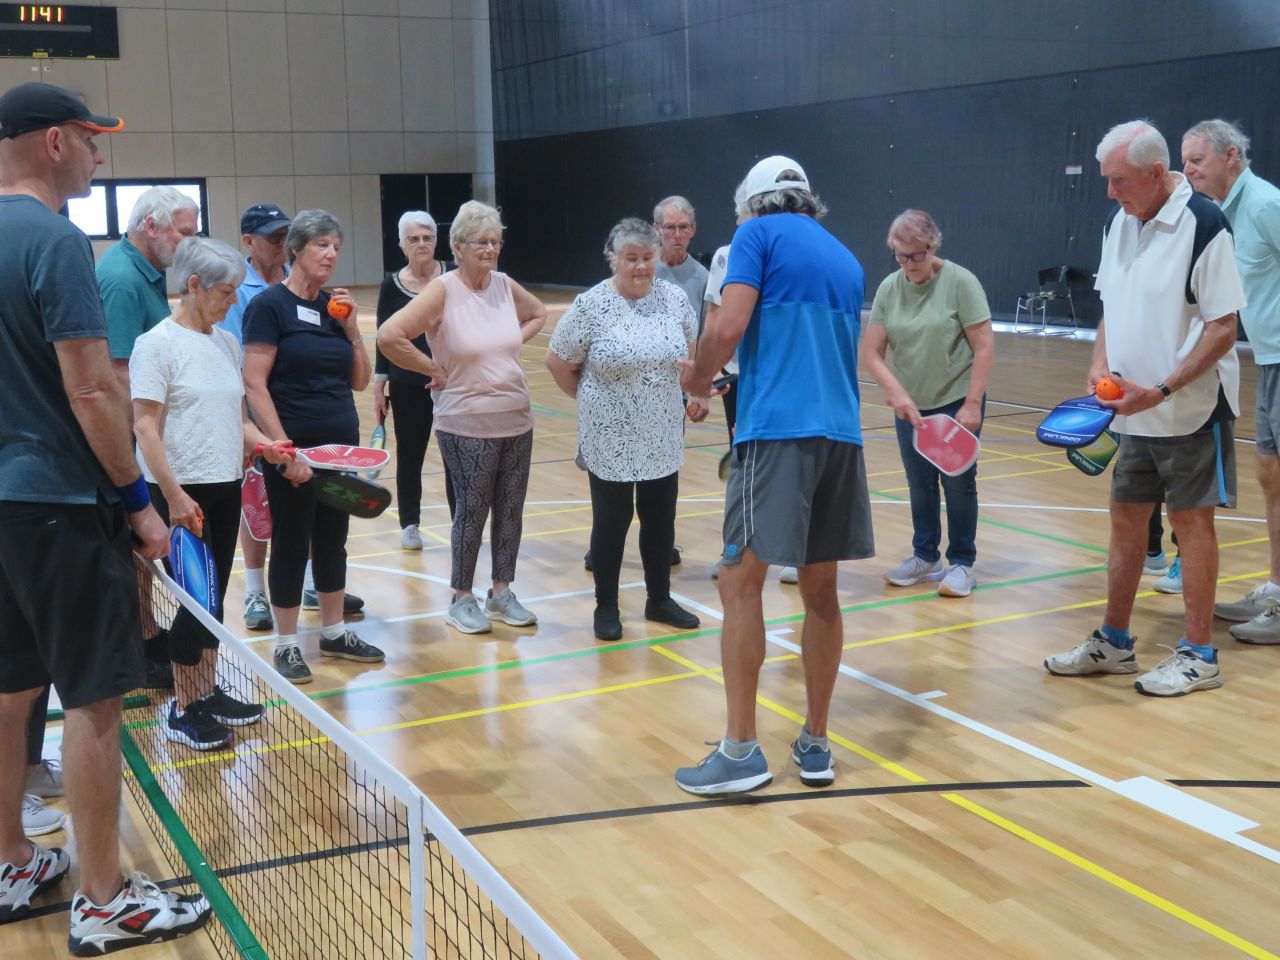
x,y
797,496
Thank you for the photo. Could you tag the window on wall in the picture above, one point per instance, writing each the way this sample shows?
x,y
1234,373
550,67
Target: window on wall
x,y
104,214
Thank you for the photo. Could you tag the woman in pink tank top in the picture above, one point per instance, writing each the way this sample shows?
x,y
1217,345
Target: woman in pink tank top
x,y
477,320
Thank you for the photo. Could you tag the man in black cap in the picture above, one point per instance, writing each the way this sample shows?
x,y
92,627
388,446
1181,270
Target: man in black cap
x,y
71,500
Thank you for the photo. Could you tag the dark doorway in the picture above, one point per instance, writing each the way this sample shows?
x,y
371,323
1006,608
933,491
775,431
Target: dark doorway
x,y
446,192
400,192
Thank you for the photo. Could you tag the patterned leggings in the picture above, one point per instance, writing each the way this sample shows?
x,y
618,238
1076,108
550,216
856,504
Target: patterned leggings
x,y
486,473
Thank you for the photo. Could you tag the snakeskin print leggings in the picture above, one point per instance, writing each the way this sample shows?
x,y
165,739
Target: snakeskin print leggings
x,y
487,473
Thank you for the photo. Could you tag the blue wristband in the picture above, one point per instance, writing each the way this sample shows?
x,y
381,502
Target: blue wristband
x,y
135,495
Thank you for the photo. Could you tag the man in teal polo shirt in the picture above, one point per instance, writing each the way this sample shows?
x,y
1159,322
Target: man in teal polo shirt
x,y
135,295
1215,157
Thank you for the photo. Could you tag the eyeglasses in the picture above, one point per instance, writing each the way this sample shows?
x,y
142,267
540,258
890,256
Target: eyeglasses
x,y
677,228
484,244
420,239
905,258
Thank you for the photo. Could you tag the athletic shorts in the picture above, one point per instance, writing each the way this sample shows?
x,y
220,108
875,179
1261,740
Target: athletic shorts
x,y
68,601
1268,408
797,502
1188,472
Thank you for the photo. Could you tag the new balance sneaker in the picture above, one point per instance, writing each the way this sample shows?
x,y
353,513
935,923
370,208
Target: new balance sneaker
x,y
38,818
959,581
141,913
465,615
789,575
19,883
1178,675
913,570
349,646
227,709
411,538
1254,603
508,609
45,779
1171,582
350,602
1095,655
817,768
1155,563
1264,629
290,665
257,611
718,773
195,728
671,613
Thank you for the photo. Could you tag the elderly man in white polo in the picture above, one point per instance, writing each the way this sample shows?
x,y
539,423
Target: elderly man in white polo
x,y
1170,293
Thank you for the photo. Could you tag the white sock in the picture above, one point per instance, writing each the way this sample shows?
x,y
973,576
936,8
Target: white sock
x,y
255,581
334,631
1271,588
285,641
308,582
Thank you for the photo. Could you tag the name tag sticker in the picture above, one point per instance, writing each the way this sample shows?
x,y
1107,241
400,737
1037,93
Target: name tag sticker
x,y
307,315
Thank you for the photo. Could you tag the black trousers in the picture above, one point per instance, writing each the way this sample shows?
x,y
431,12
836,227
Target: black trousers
x,y
220,504
300,525
611,513
35,728
1155,533
412,411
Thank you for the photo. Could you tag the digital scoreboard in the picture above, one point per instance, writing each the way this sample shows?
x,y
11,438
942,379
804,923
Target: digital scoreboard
x,y
44,30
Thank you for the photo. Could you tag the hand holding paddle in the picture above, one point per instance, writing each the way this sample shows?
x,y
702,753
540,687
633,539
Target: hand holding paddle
x,y
185,512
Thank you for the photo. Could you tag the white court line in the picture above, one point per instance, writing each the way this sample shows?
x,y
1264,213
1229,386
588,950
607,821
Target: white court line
x,y
1161,797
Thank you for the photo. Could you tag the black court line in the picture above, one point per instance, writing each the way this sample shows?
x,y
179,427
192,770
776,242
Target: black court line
x,y
1246,784
709,803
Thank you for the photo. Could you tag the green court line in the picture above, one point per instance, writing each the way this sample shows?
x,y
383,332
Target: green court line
x,y
227,912
673,638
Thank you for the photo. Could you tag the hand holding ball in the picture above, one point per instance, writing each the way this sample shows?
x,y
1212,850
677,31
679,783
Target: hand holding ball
x,y
1107,389
339,309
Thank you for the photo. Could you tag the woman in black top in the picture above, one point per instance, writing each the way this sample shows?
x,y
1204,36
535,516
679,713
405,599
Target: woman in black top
x,y
300,366
410,397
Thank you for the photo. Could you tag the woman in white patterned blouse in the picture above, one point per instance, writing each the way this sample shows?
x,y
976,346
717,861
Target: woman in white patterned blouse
x,y
617,350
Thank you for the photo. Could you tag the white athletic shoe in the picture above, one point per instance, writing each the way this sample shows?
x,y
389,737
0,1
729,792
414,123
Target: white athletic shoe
x,y
20,882
45,780
1095,655
913,570
1253,604
1178,675
1262,629
38,818
789,575
141,913
959,582
411,538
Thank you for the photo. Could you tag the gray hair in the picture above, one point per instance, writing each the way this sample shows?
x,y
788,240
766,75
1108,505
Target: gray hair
x,y
473,219
790,200
630,232
677,201
1222,136
160,204
1146,144
416,218
915,225
307,226
209,261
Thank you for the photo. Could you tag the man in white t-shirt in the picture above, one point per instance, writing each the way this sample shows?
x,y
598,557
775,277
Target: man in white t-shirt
x,y
1170,293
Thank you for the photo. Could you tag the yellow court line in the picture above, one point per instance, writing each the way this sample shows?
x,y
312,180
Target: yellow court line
x,y
1095,870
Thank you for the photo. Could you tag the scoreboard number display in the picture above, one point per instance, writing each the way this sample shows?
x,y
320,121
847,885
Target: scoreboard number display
x,y
57,31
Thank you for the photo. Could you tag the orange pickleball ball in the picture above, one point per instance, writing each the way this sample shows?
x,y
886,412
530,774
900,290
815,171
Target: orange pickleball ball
x,y
1107,389
339,309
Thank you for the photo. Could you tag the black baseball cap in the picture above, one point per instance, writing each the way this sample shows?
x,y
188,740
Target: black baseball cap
x,y
39,106
263,219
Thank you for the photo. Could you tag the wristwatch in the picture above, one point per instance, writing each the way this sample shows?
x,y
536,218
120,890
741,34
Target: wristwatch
x,y
1165,390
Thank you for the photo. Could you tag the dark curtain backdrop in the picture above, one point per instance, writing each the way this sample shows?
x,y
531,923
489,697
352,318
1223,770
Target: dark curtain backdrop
x,y
971,110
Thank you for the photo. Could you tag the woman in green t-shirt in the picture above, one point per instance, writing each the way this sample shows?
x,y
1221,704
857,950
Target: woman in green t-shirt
x,y
932,318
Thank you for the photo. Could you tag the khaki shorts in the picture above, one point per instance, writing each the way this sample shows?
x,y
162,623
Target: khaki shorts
x,y
797,502
1188,472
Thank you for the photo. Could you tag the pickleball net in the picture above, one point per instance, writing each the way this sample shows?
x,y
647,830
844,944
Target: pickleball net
x,y
308,844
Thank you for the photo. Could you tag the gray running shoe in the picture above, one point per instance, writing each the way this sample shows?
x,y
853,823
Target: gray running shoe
x,y
913,570
257,612
290,665
1264,629
719,774
465,615
411,538
508,609
1254,603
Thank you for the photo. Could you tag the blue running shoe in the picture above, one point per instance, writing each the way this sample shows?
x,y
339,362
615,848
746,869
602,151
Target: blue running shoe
x,y
720,774
817,769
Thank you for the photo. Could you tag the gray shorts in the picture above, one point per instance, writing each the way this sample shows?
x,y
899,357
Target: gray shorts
x,y
797,502
1196,470
1268,408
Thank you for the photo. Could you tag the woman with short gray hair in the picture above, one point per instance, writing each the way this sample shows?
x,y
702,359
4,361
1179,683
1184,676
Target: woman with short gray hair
x,y
303,356
617,351
193,435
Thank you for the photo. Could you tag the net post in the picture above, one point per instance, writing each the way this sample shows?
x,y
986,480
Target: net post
x,y
418,878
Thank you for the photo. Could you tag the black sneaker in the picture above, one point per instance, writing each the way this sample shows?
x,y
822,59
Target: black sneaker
x,y
350,602
349,646
290,665
159,674
227,709
196,728
675,556
606,624
586,562
671,613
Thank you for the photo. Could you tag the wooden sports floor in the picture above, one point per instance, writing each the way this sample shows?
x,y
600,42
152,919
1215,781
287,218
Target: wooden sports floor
x,y
982,809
